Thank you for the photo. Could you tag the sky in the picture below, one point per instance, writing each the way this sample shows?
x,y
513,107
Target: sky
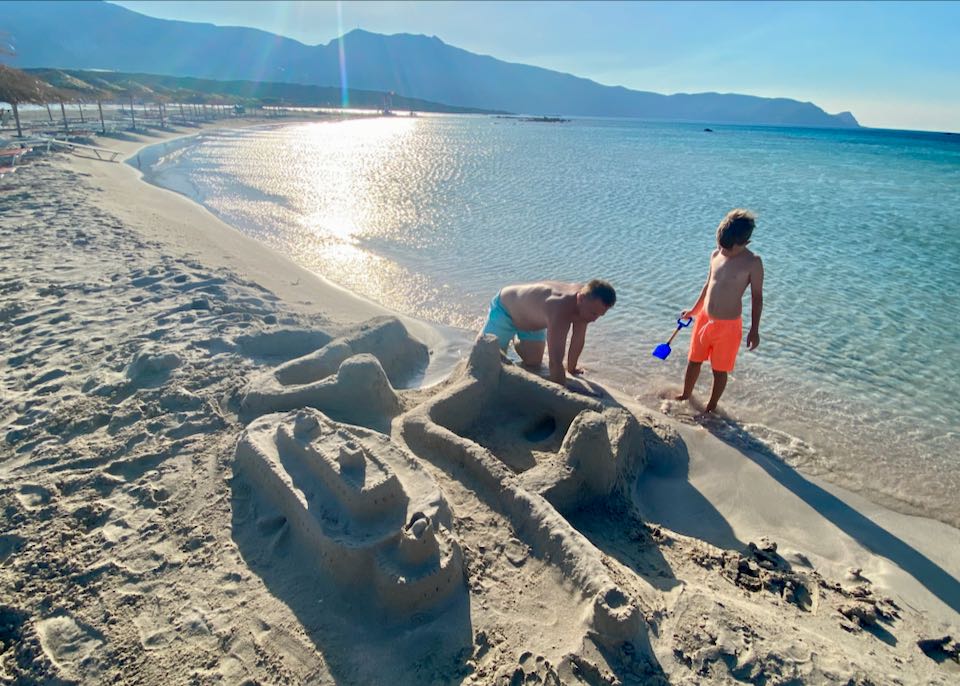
x,y
889,63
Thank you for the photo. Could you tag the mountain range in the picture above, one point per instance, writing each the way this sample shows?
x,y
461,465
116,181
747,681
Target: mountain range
x,y
99,35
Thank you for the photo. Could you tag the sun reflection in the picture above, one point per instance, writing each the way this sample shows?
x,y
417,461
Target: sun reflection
x,y
341,197
339,175
343,193
339,227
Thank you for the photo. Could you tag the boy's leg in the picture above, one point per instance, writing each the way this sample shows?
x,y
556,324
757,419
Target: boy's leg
x,y
723,357
719,383
690,379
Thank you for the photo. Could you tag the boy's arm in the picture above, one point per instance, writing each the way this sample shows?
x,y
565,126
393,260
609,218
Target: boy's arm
x,y
577,339
703,293
756,303
556,345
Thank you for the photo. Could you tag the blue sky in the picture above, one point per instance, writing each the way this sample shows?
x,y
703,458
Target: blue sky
x,y
890,63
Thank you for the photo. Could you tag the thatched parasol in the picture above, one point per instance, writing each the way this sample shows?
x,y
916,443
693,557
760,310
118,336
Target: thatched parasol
x,y
134,89
17,86
70,87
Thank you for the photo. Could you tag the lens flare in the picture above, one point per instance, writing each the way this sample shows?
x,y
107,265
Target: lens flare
x,y
344,97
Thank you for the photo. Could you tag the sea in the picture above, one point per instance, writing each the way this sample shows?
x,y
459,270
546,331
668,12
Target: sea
x,y
857,376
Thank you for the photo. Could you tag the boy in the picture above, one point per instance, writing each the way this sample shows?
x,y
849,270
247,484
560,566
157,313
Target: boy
x,y
541,315
718,326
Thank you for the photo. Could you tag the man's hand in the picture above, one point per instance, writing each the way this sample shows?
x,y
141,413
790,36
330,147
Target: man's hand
x,y
753,340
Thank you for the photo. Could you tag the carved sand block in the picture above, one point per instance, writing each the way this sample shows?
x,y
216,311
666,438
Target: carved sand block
x,y
577,450
363,506
326,378
567,447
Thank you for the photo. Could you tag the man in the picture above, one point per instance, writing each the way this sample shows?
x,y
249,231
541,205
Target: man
x,y
541,315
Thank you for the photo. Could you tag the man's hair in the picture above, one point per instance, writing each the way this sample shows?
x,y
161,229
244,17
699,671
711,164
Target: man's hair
x,y
736,228
602,291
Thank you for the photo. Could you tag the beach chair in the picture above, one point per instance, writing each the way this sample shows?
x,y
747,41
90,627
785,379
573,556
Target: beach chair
x,y
10,156
104,154
36,145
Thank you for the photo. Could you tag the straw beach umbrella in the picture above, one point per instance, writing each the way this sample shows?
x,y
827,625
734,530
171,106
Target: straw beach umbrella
x,y
17,86
105,90
70,87
134,89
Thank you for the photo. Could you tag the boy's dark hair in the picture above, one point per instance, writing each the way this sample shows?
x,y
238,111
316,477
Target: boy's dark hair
x,y
736,228
602,291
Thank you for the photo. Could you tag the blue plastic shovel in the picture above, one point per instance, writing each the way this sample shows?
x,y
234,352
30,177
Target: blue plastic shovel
x,y
663,350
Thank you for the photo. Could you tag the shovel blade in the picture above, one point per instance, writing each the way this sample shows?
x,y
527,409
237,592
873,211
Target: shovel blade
x,y
662,351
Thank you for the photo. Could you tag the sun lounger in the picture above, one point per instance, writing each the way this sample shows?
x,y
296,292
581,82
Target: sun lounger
x,y
36,145
102,153
9,156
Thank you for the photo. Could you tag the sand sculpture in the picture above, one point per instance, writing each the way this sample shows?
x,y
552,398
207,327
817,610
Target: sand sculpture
x,y
362,504
600,452
357,391
536,451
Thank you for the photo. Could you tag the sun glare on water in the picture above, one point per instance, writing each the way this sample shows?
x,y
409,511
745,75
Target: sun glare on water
x,y
333,175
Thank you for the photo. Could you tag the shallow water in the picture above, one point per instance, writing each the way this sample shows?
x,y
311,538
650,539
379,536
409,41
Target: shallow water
x,y
859,231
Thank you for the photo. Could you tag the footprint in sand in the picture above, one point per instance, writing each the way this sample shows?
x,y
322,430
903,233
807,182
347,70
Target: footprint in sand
x,y
516,552
9,545
71,646
33,497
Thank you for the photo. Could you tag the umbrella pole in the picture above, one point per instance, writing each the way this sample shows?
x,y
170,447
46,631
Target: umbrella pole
x,y
63,111
16,115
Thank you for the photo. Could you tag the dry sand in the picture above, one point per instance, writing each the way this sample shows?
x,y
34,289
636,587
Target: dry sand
x,y
208,475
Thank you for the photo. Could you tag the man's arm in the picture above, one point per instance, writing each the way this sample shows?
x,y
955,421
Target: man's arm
x,y
756,303
556,345
577,339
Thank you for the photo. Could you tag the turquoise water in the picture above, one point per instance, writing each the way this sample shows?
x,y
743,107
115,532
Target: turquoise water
x,y
856,375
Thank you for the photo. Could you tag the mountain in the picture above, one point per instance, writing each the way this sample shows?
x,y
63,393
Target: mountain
x,y
98,35
186,89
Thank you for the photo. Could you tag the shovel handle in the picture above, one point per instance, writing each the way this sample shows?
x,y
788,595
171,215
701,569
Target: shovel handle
x,y
680,324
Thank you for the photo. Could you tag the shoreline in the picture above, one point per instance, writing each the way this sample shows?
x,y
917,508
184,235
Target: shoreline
x,y
300,287
135,322
820,494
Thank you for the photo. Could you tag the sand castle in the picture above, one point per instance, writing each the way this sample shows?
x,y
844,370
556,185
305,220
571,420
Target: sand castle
x,y
361,393
549,453
361,504
360,498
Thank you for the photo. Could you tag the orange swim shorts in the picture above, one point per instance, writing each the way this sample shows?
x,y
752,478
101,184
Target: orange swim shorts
x,y
717,340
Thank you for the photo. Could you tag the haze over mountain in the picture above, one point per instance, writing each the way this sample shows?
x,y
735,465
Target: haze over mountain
x,y
98,35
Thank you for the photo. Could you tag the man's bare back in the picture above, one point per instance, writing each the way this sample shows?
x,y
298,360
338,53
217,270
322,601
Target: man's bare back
x,y
533,305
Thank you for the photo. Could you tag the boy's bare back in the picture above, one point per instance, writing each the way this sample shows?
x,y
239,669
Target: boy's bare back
x,y
731,271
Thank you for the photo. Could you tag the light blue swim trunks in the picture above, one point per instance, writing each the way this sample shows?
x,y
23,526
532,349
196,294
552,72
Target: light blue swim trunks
x,y
500,324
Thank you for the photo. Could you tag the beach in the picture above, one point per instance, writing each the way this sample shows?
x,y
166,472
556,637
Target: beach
x,y
187,415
